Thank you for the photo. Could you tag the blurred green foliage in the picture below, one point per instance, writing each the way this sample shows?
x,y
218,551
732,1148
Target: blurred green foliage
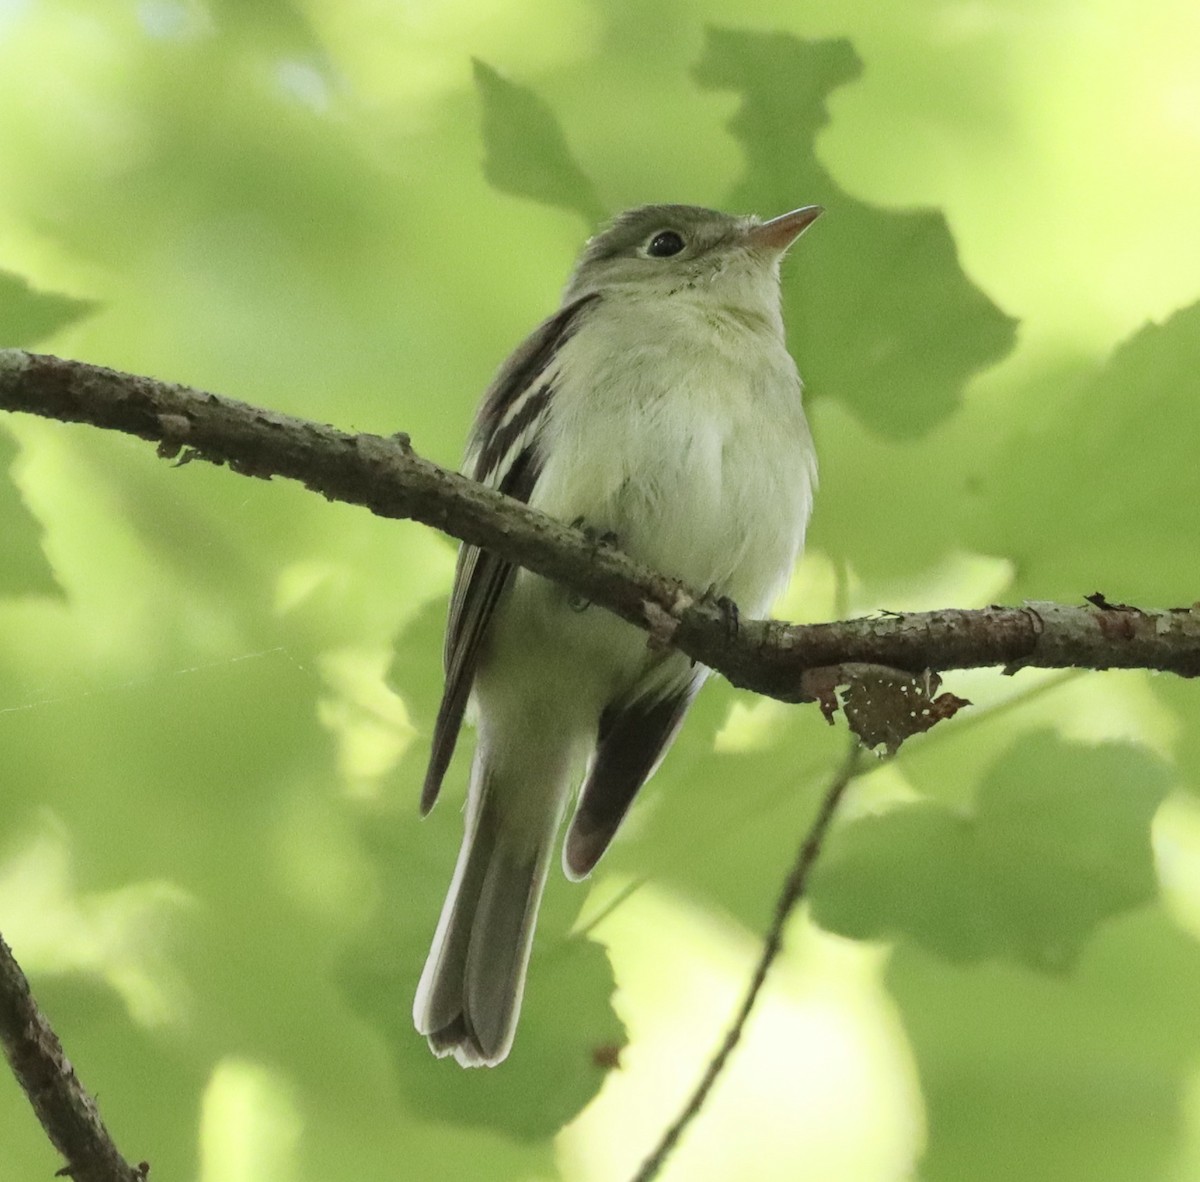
x,y
1052,821
215,693
26,317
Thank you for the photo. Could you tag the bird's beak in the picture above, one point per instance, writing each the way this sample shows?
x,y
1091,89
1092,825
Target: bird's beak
x,y
779,233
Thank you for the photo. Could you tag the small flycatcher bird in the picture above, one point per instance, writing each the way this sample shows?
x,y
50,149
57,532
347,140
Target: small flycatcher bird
x,y
658,406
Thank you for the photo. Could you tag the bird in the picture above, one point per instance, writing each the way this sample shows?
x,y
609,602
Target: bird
x,y
660,410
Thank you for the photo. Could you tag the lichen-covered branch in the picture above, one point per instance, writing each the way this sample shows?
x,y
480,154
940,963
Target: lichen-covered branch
x,y
67,1112
769,657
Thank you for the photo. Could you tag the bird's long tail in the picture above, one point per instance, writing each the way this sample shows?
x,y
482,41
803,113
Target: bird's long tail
x,y
469,997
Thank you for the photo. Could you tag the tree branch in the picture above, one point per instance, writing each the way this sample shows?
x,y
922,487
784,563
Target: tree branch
x,y
67,1112
769,657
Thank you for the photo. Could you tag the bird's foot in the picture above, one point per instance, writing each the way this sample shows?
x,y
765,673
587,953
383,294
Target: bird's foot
x,y
728,610
600,540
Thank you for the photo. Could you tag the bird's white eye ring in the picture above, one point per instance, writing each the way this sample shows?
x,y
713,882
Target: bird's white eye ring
x,y
664,244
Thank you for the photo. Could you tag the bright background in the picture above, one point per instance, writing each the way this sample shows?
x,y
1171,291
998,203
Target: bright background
x,y
216,693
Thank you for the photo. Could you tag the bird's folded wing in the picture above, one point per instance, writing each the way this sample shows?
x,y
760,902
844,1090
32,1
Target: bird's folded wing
x,y
503,454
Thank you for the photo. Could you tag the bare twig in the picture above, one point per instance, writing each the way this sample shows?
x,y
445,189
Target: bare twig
x,y
768,657
793,891
67,1112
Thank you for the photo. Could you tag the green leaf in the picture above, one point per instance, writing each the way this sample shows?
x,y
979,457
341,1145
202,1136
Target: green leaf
x,y
880,313
1101,490
1042,1077
23,566
1059,842
28,316
527,152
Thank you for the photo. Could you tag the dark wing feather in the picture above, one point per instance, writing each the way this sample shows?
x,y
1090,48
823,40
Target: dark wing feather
x,y
503,454
632,738
480,580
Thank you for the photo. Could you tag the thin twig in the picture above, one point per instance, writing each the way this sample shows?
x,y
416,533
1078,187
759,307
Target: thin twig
x,y
793,891
67,1111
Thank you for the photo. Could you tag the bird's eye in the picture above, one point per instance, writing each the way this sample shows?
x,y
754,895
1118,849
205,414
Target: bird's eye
x,y
664,244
